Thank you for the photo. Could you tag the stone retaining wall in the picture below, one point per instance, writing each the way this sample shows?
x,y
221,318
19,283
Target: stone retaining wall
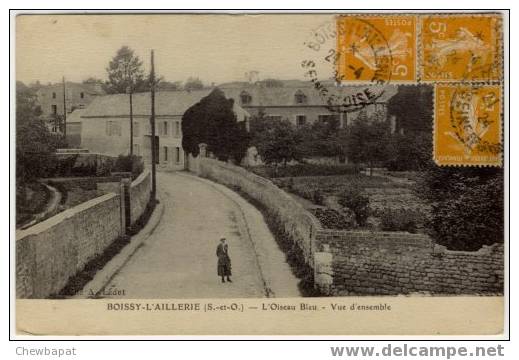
x,y
50,252
140,190
299,224
392,263
366,262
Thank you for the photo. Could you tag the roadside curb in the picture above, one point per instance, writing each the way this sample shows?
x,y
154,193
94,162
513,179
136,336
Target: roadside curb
x,y
112,268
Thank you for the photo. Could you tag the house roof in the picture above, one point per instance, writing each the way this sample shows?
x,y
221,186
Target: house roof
x,y
93,89
75,116
167,103
285,95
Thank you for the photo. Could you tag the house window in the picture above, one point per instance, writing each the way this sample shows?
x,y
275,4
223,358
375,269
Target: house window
x,y
113,128
177,155
300,97
54,109
245,98
165,153
136,129
177,128
53,95
164,128
82,95
136,150
300,120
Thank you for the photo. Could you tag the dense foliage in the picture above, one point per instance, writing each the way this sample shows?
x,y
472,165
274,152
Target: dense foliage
x,y
277,141
212,121
467,205
125,73
368,142
35,145
356,201
399,219
413,108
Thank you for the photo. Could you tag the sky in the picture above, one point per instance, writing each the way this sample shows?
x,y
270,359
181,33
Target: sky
x,y
215,48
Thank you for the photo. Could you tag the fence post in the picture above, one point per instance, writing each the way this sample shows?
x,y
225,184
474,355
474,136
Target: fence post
x,y
124,204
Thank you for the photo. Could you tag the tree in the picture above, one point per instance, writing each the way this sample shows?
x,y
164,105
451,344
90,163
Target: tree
x,y
169,85
412,106
368,142
125,73
35,145
467,205
277,141
212,121
410,151
193,83
322,138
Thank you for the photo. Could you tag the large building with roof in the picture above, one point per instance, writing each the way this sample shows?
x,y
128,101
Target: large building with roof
x,y
105,125
301,103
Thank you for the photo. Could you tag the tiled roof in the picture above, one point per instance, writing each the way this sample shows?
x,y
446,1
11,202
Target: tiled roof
x,y
169,103
285,96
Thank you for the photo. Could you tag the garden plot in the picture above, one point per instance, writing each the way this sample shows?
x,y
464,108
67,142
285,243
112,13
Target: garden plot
x,y
393,205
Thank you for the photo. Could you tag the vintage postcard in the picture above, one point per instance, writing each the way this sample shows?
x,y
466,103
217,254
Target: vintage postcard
x,y
260,173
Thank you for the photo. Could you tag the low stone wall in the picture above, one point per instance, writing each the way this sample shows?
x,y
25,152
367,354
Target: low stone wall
x,y
391,263
366,262
299,224
83,182
140,190
50,252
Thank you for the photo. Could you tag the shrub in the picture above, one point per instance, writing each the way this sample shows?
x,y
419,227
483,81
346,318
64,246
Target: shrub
x,y
353,199
129,163
399,219
317,197
304,170
332,219
467,206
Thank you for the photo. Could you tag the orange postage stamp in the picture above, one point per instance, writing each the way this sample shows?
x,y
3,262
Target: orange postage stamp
x,y
376,48
460,47
467,125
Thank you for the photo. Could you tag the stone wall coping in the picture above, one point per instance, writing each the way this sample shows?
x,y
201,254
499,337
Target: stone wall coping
x,y
372,232
483,251
254,177
56,219
140,178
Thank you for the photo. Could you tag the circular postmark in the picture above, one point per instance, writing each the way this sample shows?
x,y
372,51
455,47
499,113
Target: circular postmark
x,y
475,119
361,57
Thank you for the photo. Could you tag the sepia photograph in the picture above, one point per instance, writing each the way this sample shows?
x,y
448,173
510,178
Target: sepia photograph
x,y
179,171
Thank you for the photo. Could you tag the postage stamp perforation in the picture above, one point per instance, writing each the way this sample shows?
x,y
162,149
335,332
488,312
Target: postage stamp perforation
x,y
468,109
460,47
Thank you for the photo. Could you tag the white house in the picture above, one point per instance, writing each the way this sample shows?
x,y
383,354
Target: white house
x,y
105,125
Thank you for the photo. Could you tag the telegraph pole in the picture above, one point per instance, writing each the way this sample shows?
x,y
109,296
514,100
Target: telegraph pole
x,y
64,110
130,92
152,121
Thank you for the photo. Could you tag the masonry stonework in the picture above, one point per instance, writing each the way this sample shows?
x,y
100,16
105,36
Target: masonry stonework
x,y
50,252
367,262
140,190
386,263
299,224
